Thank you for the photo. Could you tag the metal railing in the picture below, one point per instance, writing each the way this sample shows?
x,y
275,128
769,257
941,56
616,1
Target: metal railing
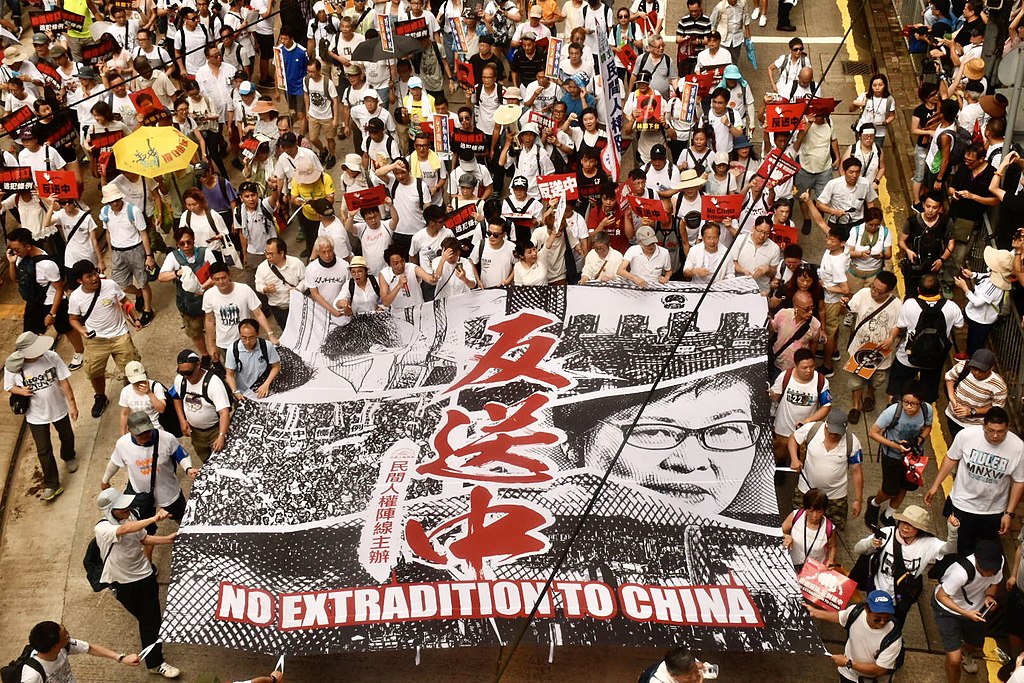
x,y
910,11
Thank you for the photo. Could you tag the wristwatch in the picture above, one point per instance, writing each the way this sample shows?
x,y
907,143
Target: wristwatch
x,y
849,663
974,411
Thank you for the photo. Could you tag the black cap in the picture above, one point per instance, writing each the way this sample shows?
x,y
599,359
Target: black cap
x,y
322,206
375,124
288,140
659,152
488,38
187,356
988,555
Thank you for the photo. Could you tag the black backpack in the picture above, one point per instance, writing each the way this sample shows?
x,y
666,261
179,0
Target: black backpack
x,y
930,345
29,289
352,291
889,638
12,672
959,140
169,417
939,569
93,562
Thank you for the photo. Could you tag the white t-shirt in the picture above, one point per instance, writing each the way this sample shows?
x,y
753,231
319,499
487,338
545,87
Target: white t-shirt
x,y
427,247
448,283
43,376
60,668
327,280
138,459
700,258
47,272
229,310
873,261
126,562
799,401
339,236
107,317
204,231
911,313
825,468
322,98
374,242
863,642
198,411
363,300
832,272
124,228
409,296
406,201
956,585
649,268
80,247
496,264
983,478
877,328
133,400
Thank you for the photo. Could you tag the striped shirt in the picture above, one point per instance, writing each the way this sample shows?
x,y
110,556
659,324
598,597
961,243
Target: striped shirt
x,y
975,393
697,28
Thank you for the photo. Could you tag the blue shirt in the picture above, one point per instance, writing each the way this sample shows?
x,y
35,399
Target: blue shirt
x,y
908,428
250,364
294,68
574,106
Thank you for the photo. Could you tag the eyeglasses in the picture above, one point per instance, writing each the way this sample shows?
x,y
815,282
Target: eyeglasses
x,y
879,290
805,309
421,145
910,404
495,234
725,437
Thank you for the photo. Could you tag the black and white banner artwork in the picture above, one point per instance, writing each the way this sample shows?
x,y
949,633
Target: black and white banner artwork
x,y
416,474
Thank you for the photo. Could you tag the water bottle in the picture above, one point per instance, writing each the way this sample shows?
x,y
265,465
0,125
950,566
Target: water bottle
x,y
710,671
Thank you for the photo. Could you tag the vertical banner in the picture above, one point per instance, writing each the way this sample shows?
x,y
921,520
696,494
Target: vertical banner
x,y
442,134
690,94
553,63
279,80
612,110
386,31
458,32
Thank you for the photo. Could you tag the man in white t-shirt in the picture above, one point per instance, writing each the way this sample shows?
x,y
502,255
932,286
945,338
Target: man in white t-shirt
x,y
96,310
226,304
203,405
326,275
874,641
803,396
51,645
134,452
131,252
705,257
35,371
966,593
496,258
756,255
122,540
645,263
832,458
835,262
904,368
323,111
989,484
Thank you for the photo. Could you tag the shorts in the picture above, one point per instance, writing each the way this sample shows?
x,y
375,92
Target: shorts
x,y
838,508
318,127
99,350
264,44
878,380
202,441
780,446
919,168
833,315
955,630
816,181
194,325
34,319
894,476
296,103
128,268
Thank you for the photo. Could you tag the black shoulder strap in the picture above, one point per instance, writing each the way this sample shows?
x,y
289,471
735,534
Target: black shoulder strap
x,y
74,229
276,272
152,466
92,304
855,613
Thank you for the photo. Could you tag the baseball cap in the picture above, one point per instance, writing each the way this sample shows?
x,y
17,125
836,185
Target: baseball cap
x,y
187,356
375,124
536,12
720,158
988,555
643,77
836,421
645,235
881,602
322,206
352,70
983,359
246,88
139,423
135,372
39,39
521,182
113,499
87,72
415,82
659,152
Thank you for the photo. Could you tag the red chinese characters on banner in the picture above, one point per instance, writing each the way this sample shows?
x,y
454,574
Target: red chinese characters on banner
x,y
783,235
493,531
554,186
518,353
777,168
493,456
784,116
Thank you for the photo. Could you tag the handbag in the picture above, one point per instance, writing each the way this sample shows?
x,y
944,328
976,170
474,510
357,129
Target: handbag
x,y
19,402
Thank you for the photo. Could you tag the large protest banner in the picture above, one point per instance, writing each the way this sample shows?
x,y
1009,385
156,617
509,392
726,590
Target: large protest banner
x,y
416,474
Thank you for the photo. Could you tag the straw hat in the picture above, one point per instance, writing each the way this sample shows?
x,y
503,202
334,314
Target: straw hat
x,y
690,178
357,262
15,54
915,516
994,105
1000,266
974,69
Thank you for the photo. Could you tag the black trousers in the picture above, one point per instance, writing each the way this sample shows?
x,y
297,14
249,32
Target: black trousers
x,y
44,448
142,600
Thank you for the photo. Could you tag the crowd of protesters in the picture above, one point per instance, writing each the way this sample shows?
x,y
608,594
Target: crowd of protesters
x,y
297,119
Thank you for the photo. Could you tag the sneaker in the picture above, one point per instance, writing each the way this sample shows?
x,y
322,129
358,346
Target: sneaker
x,y
77,361
788,28
969,663
836,355
853,417
146,318
819,352
99,405
869,403
72,465
50,494
330,161
828,372
762,21
166,670
237,163
756,13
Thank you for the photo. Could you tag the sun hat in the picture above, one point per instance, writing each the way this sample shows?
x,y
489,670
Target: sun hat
x,y
690,178
915,516
111,193
306,171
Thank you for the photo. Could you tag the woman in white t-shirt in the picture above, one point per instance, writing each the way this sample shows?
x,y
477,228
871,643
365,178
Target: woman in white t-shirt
x,y
877,106
808,534
530,270
207,226
141,394
453,274
358,295
400,281
78,228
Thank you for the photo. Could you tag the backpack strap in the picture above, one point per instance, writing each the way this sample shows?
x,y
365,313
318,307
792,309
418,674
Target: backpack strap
x,y
785,379
855,613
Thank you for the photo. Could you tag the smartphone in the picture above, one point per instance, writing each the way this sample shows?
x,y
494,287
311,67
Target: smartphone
x,y
984,611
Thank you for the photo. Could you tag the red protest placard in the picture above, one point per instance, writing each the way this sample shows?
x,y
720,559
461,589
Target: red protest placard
x,y
719,207
414,28
249,147
825,587
647,116
783,235
464,73
149,107
47,21
784,116
59,183
649,208
16,179
558,184
626,55
776,172
12,122
364,199
824,105
703,81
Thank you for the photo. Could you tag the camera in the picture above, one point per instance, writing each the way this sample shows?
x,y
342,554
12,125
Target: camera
x,y
914,447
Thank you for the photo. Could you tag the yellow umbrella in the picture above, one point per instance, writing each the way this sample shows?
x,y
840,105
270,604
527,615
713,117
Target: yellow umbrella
x,y
153,151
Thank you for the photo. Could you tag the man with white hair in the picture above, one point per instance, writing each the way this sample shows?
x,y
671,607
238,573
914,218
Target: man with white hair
x,y
661,67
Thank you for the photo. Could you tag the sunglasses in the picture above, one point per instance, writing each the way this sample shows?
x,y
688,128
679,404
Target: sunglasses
x,y
495,234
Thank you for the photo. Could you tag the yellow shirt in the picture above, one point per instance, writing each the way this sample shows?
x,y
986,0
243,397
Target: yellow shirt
x,y
80,7
323,187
